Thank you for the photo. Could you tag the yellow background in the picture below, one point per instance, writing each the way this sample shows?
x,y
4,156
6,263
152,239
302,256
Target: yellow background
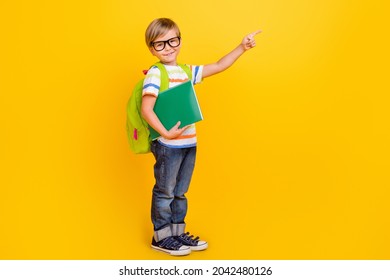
x,y
293,158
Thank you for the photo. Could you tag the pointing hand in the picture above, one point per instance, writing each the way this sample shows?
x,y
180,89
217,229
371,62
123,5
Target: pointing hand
x,y
249,41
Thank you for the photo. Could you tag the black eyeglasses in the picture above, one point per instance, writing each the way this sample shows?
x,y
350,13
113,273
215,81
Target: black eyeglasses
x,y
160,45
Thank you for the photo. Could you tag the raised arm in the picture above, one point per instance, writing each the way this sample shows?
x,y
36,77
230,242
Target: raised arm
x,y
225,62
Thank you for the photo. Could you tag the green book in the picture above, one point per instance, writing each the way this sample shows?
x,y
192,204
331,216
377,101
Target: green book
x,y
178,103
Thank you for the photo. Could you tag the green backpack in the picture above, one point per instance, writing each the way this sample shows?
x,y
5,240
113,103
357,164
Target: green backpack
x,y
138,134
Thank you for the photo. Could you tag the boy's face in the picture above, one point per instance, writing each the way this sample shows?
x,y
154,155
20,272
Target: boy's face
x,y
169,54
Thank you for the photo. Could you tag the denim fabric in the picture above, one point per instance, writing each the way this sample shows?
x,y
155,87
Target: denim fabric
x,y
173,171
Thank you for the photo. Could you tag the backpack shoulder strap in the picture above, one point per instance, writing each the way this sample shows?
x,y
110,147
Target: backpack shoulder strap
x,y
164,83
186,69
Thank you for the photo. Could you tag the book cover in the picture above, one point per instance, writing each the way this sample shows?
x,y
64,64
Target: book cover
x,y
178,103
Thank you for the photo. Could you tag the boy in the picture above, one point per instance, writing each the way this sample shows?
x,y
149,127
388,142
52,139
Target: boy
x,y
175,150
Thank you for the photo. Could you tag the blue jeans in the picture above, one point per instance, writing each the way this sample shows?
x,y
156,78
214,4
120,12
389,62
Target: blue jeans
x,y
173,171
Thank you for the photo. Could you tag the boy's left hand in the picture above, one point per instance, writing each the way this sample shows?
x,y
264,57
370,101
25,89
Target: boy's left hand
x,y
249,41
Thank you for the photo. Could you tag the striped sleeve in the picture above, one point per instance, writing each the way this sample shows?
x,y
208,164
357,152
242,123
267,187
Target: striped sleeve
x,y
152,82
197,73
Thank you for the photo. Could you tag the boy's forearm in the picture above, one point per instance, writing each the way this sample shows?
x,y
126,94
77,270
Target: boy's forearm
x,y
150,116
152,119
228,60
224,63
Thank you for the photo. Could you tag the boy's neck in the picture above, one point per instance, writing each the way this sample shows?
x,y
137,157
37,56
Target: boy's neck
x,y
170,64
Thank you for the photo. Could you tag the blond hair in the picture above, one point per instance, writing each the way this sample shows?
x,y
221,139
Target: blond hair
x,y
159,27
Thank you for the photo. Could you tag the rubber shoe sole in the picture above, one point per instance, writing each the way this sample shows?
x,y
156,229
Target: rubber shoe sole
x,y
183,250
199,247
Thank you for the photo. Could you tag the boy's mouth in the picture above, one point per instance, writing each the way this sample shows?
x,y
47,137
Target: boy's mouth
x,y
169,54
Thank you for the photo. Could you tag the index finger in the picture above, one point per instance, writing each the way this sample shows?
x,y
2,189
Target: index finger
x,y
256,32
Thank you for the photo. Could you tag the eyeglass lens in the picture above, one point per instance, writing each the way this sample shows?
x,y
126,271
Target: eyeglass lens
x,y
160,45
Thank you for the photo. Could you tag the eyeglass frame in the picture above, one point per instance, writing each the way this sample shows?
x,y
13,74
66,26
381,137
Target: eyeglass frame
x,y
165,43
